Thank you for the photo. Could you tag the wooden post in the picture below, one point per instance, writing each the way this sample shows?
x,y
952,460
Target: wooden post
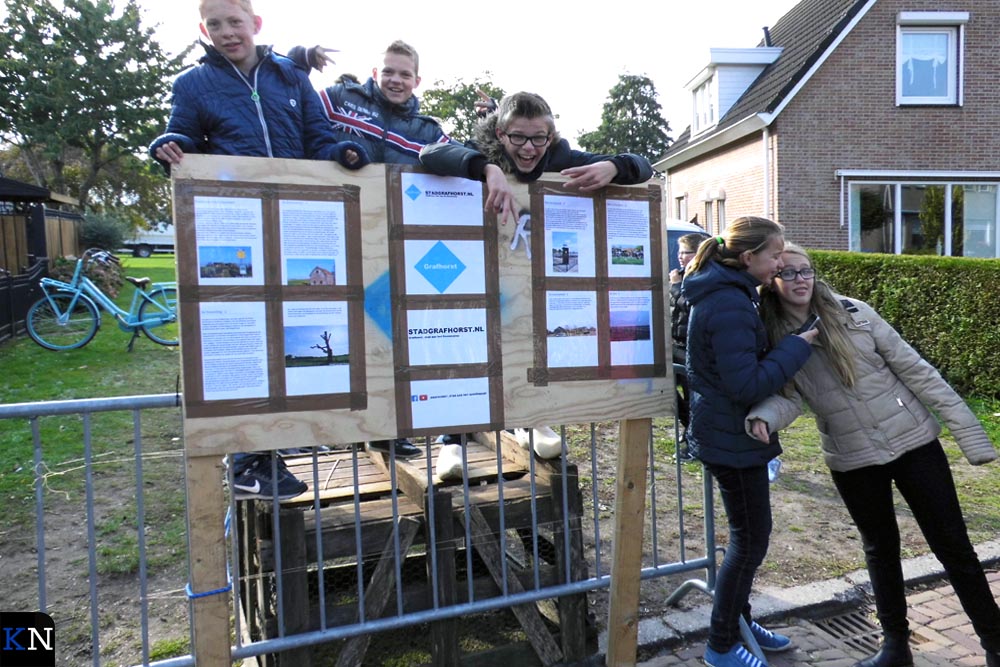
x,y
630,498
572,608
207,540
295,583
444,634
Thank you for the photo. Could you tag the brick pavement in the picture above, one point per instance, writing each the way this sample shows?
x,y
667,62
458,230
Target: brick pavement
x,y
942,634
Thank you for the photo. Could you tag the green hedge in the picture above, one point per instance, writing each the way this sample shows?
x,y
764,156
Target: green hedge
x,y
948,308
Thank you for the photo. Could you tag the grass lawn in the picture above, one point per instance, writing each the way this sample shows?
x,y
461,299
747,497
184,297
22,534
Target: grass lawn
x,y
99,369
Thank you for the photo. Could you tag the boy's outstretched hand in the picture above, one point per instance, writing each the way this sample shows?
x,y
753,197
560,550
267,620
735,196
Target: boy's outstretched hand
x,y
351,155
590,176
170,153
485,105
499,196
318,58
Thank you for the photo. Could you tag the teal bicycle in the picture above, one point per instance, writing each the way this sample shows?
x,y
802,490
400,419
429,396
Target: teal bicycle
x,y
69,314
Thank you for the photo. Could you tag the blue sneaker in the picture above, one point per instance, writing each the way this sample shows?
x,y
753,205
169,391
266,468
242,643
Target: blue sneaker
x,y
769,641
737,656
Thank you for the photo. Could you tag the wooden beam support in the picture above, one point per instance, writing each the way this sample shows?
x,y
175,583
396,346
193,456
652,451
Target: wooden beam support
x,y
207,540
485,542
377,593
626,564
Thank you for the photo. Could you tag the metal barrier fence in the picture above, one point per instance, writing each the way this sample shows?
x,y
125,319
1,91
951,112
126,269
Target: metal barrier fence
x,y
511,532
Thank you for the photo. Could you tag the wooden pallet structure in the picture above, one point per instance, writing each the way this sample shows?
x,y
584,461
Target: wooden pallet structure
x,y
359,510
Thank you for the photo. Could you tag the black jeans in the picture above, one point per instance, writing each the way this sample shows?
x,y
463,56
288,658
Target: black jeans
x,y
746,495
683,397
924,479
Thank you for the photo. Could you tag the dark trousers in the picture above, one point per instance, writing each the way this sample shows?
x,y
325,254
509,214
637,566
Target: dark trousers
x,y
682,391
746,496
924,479
683,400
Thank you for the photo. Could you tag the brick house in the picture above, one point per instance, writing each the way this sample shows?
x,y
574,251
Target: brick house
x,y
870,125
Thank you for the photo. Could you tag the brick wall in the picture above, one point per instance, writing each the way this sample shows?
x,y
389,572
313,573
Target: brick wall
x,y
846,118
739,172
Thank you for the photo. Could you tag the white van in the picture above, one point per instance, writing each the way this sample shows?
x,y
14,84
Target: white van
x,y
148,241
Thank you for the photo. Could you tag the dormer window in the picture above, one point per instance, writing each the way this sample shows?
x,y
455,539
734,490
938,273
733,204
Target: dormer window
x,y
929,58
705,107
717,87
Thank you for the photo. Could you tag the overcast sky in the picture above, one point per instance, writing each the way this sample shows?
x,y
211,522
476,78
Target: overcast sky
x,y
569,53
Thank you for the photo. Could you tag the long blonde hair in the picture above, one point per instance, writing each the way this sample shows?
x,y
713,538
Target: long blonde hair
x,y
836,345
746,233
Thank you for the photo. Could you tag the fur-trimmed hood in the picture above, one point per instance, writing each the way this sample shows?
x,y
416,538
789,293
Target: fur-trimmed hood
x,y
485,139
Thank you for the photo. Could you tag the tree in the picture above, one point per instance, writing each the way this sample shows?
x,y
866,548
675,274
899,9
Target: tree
x,y
84,92
454,106
631,121
932,220
325,348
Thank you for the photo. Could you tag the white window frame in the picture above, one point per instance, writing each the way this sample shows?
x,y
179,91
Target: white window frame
x,y
704,101
952,24
853,243
681,207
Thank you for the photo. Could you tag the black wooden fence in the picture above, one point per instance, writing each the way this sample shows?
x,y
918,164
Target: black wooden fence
x,y
17,293
31,236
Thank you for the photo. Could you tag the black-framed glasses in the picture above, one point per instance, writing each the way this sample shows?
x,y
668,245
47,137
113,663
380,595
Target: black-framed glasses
x,y
537,140
790,274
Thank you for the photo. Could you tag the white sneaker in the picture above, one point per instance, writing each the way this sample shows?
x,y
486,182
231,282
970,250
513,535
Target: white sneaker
x,y
449,462
548,444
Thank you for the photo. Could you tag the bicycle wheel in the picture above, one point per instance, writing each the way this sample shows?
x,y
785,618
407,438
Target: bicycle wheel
x,y
75,330
160,304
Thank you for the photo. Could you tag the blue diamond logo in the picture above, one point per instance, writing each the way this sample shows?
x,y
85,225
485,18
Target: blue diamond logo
x,y
413,192
440,267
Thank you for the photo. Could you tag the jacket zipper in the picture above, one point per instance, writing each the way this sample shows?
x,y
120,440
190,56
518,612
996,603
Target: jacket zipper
x,y
255,96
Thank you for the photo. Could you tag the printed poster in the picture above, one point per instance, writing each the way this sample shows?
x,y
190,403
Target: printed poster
x,y
450,402
233,350
631,315
628,239
317,347
569,237
441,200
313,247
445,267
447,336
571,328
229,238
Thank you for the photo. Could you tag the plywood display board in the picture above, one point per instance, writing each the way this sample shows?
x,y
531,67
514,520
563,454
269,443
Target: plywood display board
x,y
324,306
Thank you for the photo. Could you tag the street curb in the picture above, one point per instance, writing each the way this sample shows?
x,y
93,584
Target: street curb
x,y
806,601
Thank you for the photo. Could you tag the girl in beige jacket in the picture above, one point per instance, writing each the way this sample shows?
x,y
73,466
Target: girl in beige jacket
x,y
870,392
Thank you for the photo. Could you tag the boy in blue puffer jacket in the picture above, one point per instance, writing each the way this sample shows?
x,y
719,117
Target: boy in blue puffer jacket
x,y
243,99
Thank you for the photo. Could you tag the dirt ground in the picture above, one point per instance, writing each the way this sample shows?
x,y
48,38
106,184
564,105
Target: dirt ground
x,y
813,539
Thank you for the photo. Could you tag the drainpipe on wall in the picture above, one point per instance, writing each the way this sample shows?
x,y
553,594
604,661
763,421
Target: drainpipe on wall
x,y
766,139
